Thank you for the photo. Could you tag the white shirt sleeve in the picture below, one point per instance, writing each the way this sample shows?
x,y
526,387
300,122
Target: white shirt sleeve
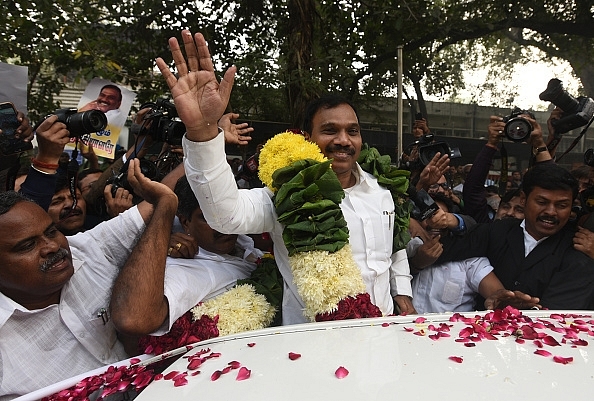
x,y
226,208
400,276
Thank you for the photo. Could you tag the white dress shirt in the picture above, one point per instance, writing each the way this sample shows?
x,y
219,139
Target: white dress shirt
x,y
367,207
190,281
42,347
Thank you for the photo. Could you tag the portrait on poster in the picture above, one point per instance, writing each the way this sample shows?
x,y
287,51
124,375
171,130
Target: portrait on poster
x,y
113,100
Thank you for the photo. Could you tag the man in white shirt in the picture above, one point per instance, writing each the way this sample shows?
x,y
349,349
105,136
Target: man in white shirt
x,y
368,208
61,299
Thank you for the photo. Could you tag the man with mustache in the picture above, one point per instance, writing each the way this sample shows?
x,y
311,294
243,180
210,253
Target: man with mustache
x,y
332,123
535,255
62,298
108,101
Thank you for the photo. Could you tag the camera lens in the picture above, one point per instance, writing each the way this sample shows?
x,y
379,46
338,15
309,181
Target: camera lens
x,y
589,157
559,97
86,122
517,129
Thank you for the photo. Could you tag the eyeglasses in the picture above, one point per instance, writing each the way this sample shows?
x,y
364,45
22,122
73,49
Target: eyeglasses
x,y
435,187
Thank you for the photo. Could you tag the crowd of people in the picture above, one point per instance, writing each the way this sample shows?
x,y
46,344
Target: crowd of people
x,y
90,262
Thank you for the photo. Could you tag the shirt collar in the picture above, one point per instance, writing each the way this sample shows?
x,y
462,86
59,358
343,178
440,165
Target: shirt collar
x,y
529,241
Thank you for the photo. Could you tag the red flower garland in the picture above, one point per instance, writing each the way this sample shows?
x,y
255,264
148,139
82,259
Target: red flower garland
x,y
352,308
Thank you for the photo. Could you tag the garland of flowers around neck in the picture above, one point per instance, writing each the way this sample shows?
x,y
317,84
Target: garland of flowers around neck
x,y
394,180
307,199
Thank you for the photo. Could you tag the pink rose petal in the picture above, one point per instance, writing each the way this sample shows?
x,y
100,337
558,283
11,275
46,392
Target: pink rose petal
x,y
457,359
542,352
243,374
251,344
420,320
293,356
341,372
234,364
182,381
134,361
171,375
385,324
215,375
564,361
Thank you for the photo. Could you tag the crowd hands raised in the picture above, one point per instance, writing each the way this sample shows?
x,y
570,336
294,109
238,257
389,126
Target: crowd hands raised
x,y
138,256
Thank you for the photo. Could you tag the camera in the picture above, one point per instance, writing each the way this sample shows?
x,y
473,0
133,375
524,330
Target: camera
x,y
9,123
423,204
120,180
81,123
517,128
576,112
164,125
427,147
589,157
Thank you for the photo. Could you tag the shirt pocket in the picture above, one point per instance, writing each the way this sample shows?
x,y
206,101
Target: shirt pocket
x,y
453,289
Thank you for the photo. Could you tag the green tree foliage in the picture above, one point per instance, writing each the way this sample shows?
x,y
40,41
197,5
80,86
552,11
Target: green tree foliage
x,y
290,51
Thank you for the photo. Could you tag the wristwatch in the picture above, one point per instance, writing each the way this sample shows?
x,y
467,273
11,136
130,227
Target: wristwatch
x,y
536,151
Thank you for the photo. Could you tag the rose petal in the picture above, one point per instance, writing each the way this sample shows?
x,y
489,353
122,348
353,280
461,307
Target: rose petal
x,y
226,370
194,364
182,381
542,352
564,361
420,320
251,344
171,375
243,374
385,324
548,340
215,375
134,361
234,364
293,356
341,372
457,359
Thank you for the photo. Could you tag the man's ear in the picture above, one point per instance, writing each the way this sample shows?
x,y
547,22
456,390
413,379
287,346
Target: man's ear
x,y
306,135
184,222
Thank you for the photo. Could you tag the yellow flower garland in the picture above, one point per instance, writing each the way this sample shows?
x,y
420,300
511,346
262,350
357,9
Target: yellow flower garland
x,y
282,150
322,278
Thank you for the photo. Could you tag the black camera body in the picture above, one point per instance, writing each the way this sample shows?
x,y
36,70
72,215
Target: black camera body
x,y
517,128
576,112
165,124
427,147
120,180
81,123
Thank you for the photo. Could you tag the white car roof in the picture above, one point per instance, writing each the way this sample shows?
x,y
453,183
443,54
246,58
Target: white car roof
x,y
393,357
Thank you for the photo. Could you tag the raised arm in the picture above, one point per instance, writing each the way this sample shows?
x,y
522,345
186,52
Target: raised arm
x,y
200,100
138,303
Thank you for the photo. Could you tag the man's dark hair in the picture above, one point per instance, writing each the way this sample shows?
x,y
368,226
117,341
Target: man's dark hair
x,y
509,195
10,198
582,172
88,171
551,177
324,102
114,87
186,200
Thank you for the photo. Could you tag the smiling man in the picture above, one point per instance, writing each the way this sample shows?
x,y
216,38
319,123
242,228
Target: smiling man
x,y
535,255
330,122
61,298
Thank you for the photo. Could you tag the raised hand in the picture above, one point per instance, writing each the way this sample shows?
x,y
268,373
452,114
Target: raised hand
x,y
237,134
200,100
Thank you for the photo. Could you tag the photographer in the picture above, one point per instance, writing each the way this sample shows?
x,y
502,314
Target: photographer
x,y
474,193
52,135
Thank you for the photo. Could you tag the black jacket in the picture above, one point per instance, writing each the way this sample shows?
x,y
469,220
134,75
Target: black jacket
x,y
554,271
